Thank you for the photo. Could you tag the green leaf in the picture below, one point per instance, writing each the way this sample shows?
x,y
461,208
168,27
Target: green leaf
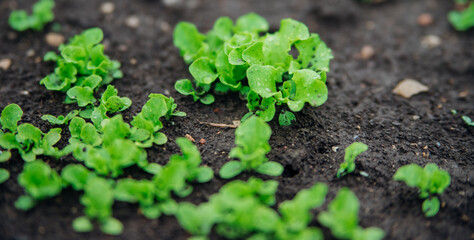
x,y
76,175
19,20
253,55
468,121
270,168
27,132
5,155
184,86
411,174
251,22
262,80
188,39
4,175
231,169
207,99
75,126
431,206
83,95
285,118
25,203
111,226
82,224
51,56
90,136
309,88
351,153
203,71
205,174
370,233
11,114
293,30
463,20
39,180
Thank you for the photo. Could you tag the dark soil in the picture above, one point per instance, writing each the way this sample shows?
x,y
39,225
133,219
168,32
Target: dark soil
x,y
361,107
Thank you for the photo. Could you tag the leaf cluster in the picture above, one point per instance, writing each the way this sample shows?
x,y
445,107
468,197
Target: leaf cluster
x,y
81,68
463,20
244,57
42,14
430,181
350,155
343,221
251,138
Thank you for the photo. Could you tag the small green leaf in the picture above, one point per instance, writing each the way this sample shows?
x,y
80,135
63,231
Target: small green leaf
x,y
82,224
89,135
205,174
203,71
11,114
231,169
285,118
25,203
76,175
262,80
5,156
4,175
468,120
251,22
207,99
431,206
83,95
270,168
351,153
111,226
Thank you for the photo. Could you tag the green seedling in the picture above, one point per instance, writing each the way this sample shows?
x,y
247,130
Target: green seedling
x,y
243,57
4,175
40,182
464,20
468,121
42,14
82,67
430,181
343,221
60,120
26,138
251,138
350,155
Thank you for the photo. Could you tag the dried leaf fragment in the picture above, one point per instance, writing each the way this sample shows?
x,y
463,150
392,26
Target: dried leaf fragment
x,y
409,87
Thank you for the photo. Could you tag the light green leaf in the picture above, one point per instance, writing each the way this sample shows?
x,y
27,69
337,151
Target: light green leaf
x,y
270,168
263,79
308,89
431,206
11,114
4,175
203,70
111,226
231,169
83,95
251,22
82,224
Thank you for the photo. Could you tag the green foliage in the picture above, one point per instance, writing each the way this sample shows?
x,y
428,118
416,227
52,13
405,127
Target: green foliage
x,y
42,14
251,138
82,67
343,221
4,175
351,153
242,210
463,20
429,180
76,175
40,182
222,60
468,121
60,120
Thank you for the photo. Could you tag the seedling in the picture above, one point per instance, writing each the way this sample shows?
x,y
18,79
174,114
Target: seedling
x,y
350,155
463,20
42,14
430,181
468,121
343,221
82,67
251,138
40,182
243,57
4,175
60,120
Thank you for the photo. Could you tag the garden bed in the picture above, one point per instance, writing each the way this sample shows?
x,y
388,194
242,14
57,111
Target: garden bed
x,y
361,107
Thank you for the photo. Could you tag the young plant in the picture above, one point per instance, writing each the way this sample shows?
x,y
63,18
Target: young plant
x,y
82,67
463,20
26,138
4,175
468,121
60,120
40,182
430,181
42,14
244,57
350,155
251,138
343,221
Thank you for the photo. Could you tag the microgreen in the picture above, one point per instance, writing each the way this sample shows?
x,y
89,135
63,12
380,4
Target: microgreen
x,y
463,20
4,175
223,58
350,155
82,67
343,221
251,138
430,181
39,181
468,121
60,120
42,14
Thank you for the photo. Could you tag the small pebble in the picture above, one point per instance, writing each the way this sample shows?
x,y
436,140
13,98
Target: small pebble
x,y
122,48
335,148
431,41
132,22
11,35
107,8
425,19
133,61
416,117
167,92
364,174
202,141
5,63
54,39
172,3
24,92
367,52
164,26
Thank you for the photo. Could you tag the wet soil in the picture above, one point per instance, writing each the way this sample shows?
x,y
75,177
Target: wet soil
x,y
361,107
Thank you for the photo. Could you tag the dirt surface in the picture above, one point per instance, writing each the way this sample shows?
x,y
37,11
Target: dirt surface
x,y
361,107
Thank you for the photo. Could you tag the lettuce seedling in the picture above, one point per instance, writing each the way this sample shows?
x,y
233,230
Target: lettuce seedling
x,y
98,199
42,14
40,182
26,138
463,20
430,181
251,138
82,67
343,221
350,155
468,121
141,191
76,175
60,120
4,175
244,58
